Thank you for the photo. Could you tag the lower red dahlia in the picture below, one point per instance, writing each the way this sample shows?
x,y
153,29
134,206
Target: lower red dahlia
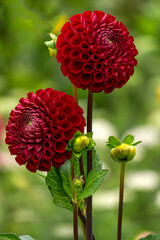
x,y
41,126
96,52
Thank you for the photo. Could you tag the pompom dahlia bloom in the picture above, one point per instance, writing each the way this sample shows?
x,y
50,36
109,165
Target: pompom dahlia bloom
x,y
40,128
96,52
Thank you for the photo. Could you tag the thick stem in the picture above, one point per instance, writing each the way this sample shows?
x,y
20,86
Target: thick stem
x,y
89,167
75,203
75,95
120,211
83,221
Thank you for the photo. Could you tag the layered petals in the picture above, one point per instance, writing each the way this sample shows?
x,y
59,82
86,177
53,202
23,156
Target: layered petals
x,y
40,127
96,52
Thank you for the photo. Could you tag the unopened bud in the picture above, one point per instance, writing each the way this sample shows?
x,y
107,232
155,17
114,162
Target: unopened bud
x,y
123,153
80,143
78,182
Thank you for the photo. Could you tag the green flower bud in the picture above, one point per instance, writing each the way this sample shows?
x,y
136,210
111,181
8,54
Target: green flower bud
x,y
78,182
123,153
80,143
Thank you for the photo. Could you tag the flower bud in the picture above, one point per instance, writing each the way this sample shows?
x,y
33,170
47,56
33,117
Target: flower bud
x,y
80,143
78,182
123,153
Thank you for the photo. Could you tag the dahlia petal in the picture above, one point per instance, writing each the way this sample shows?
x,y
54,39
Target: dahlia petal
x,y
98,77
66,126
85,78
62,118
108,71
84,46
38,147
75,67
74,54
58,136
60,105
20,161
68,35
88,68
47,144
98,66
76,120
84,57
65,51
96,87
69,134
60,147
47,154
59,157
66,27
70,111
31,167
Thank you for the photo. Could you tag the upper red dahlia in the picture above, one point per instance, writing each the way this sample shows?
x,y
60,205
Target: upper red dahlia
x,y
40,128
96,52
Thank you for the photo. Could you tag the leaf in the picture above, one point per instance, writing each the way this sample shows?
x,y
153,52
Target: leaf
x,y
26,237
136,143
89,135
96,162
109,146
129,139
78,134
93,181
54,182
114,141
65,172
91,143
11,236
151,237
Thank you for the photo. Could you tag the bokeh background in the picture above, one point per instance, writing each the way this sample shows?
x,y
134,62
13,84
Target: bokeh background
x,y
25,65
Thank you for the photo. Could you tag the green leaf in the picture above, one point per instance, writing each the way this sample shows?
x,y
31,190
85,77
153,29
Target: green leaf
x,y
109,146
91,143
136,143
96,162
65,172
129,139
93,181
76,154
77,134
114,141
151,237
89,135
26,237
11,236
55,185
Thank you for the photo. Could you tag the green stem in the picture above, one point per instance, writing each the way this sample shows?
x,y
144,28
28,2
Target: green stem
x,y
75,203
75,95
89,167
121,191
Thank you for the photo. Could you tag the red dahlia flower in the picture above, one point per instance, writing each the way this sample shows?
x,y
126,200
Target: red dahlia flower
x,y
96,52
40,128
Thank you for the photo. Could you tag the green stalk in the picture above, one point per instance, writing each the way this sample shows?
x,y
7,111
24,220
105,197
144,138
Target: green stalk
x,y
75,203
121,191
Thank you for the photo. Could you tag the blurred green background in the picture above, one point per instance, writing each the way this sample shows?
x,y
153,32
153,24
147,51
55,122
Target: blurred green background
x,y
25,65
